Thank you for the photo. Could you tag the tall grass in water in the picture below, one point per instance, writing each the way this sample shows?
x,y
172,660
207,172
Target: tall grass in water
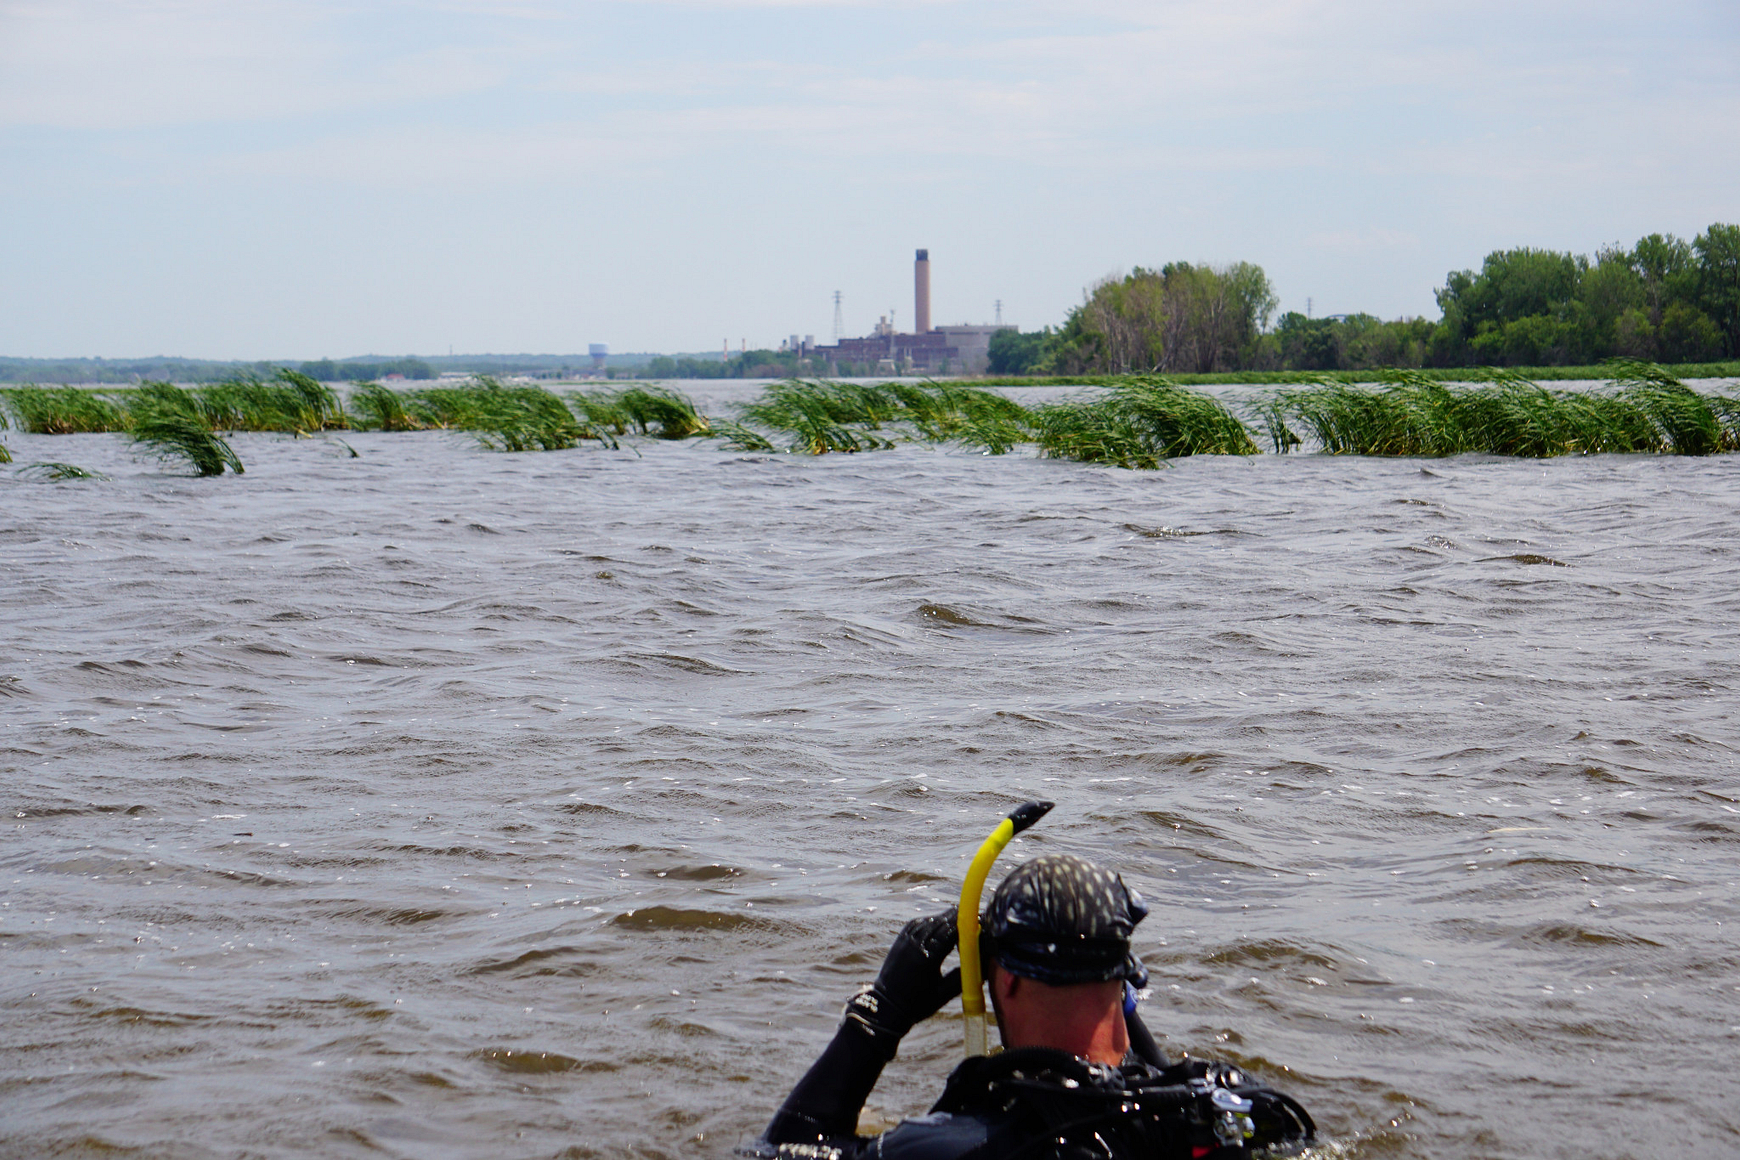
x,y
969,415
1510,415
64,410
170,424
1644,409
738,437
656,411
373,407
1142,422
521,418
1686,421
1410,415
59,471
289,401
820,417
502,418
1726,408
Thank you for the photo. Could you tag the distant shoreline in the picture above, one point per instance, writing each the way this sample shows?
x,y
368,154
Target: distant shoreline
x,y
1599,372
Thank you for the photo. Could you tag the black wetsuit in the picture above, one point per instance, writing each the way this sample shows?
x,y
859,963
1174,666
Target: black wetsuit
x,y
1038,1103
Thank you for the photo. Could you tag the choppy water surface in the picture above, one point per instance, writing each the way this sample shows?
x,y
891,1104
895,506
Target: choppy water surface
x,y
441,803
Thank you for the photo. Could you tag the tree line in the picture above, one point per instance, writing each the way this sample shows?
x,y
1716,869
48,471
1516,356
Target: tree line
x,y
1664,299
357,370
752,364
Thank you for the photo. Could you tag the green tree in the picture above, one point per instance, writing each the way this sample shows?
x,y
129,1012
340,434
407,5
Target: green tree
x,y
1181,318
1611,287
1687,334
1669,273
1718,250
1512,284
1307,344
1014,353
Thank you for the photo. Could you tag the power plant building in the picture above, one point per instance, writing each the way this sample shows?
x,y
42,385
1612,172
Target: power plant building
x,y
929,350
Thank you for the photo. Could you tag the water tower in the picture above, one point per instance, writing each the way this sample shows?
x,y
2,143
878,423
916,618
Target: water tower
x,y
599,352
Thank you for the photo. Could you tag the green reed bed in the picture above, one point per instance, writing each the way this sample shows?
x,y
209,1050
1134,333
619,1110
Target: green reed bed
x,y
372,407
288,402
1688,422
818,417
1140,423
658,412
58,471
501,418
172,424
65,410
969,415
1642,409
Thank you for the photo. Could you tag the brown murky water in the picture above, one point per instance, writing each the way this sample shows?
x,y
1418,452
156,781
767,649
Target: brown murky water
x,y
441,803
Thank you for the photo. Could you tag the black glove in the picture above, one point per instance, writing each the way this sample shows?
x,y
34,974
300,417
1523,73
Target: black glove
x,y
824,1105
911,986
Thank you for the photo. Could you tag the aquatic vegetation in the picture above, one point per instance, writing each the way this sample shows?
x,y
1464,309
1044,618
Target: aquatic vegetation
x,y
445,407
1357,420
58,471
603,410
663,412
64,410
502,418
288,402
656,411
871,404
1645,409
969,415
169,423
374,407
1141,422
1685,420
1510,415
1135,421
737,437
995,434
1726,409
819,417
521,418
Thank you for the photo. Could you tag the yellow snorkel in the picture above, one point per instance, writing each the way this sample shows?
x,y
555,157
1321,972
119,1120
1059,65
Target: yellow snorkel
x,y
967,920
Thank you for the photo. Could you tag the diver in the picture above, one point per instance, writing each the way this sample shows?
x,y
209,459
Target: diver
x,y
1080,1076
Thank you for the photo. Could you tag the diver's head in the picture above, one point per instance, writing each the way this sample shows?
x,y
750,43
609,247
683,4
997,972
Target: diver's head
x,y
1061,920
1057,942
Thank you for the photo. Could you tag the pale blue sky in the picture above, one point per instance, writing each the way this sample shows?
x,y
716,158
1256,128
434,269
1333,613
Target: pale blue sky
x,y
299,178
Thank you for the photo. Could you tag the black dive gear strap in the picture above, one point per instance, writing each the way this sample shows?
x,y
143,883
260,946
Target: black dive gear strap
x,y
1070,1109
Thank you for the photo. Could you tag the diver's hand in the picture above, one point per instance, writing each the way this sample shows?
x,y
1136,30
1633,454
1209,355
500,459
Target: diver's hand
x,y
911,986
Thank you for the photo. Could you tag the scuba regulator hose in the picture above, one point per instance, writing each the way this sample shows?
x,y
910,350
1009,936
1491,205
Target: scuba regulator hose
x,y
967,918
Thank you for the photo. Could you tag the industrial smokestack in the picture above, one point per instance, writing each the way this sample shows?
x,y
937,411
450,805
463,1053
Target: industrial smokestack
x,y
921,293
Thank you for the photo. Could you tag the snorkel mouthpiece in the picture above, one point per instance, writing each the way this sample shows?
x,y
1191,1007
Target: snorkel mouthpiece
x,y
967,919
1026,814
